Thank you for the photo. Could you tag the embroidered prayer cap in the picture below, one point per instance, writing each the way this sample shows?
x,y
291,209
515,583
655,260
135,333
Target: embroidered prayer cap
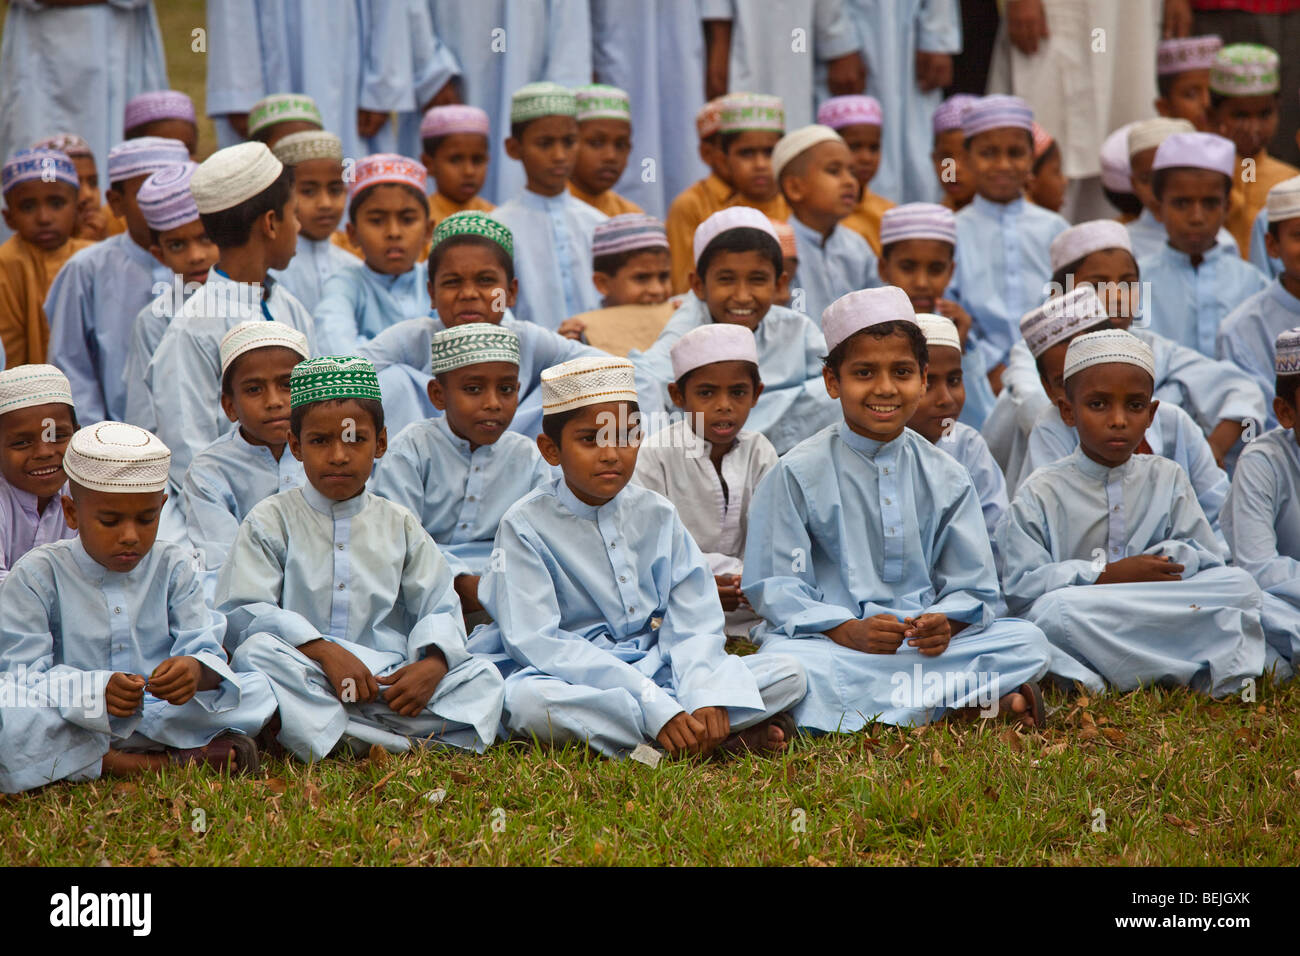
x,y
158,105
740,112
165,199
471,344
1284,200
918,220
1198,151
852,110
1182,54
1042,140
231,175
785,236
283,108
1245,69
26,385
144,155
330,377
1106,347
536,100
1149,134
379,168
948,115
797,141
716,342
623,233
996,112
1286,348
1116,175
599,101
1085,239
589,380
38,165
733,217
454,118
470,222
308,145
939,331
709,119
68,143
1060,318
862,309
260,334
117,458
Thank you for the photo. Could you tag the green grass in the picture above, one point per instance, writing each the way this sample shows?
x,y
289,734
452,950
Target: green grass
x,y
1181,779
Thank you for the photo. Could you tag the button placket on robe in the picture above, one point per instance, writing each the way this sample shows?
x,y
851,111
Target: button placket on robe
x,y
468,515
891,515
624,574
1207,310
1116,520
1012,286
563,254
120,650
341,596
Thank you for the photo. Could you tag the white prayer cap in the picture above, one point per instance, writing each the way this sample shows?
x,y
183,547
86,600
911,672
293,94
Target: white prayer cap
x,y
733,217
939,331
26,385
717,342
918,220
797,141
1286,349
231,175
1056,320
1115,172
1198,151
996,112
308,145
1149,134
472,344
862,309
117,457
260,334
1087,238
1284,200
589,380
144,155
1106,347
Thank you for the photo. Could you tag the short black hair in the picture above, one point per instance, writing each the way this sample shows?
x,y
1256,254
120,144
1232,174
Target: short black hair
x,y
750,367
915,338
887,251
431,144
1285,388
1127,203
610,263
1098,327
1218,99
503,258
228,376
553,424
1060,276
741,239
1052,150
1161,176
370,406
72,410
362,195
965,143
1165,84
232,227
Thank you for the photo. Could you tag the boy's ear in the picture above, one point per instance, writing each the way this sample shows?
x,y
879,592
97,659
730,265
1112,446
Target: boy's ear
x,y
514,148
758,390
381,442
436,394
512,293
1151,409
9,220
1286,415
832,382
427,160
783,289
116,202
351,230
70,508
155,250
1271,245
792,187
1162,106
1066,409
697,285
676,395
550,451
228,406
295,445
601,282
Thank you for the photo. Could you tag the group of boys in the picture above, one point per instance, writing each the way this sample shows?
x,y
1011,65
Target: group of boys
x,y
862,464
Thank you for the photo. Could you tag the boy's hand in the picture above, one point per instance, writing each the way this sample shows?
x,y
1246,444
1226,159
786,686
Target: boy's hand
x,y
572,328
847,74
176,679
995,377
960,317
933,70
124,694
1140,569
466,586
1026,24
370,122
240,123
729,592
929,633
410,687
344,669
717,727
1222,438
882,634
91,224
681,735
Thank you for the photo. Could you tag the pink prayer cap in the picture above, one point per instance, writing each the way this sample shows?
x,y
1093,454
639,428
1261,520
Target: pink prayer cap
x,y
862,309
854,110
1199,151
918,220
733,217
446,120
716,342
165,199
1182,54
996,112
632,230
158,105
949,113
387,168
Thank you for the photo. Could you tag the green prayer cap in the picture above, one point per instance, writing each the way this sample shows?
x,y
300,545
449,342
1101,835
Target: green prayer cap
x,y
332,376
469,222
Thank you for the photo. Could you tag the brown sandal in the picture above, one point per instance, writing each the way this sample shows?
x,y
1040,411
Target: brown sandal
x,y
233,752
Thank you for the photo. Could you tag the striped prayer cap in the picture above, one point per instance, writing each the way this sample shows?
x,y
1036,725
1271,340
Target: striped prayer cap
x,y
740,112
948,115
165,199
26,385
631,230
144,155
598,101
536,100
283,108
472,344
918,220
996,112
469,222
38,165
157,105
330,377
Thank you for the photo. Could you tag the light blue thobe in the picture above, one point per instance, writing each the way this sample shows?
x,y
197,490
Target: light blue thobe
x,y
65,617
1073,517
846,528
403,358
1146,234
1002,269
608,623
91,305
552,255
23,527
1173,435
1261,520
1209,390
314,261
184,375
357,303
147,330
654,49
1016,410
423,65
1188,304
794,403
1247,336
1259,256
969,447
891,33
829,267
459,495
385,596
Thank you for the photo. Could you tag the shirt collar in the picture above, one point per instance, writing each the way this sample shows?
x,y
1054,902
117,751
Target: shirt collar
x,y
866,446
805,232
444,426
1097,470
999,210
580,508
1279,294
88,566
385,281
330,507
538,201
141,257
718,189
216,277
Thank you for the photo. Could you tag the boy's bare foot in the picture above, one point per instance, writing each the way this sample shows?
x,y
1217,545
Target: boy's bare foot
x,y
236,753
771,736
117,763
1024,705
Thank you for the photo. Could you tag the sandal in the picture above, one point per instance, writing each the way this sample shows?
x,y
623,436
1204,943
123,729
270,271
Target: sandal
x,y
230,751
